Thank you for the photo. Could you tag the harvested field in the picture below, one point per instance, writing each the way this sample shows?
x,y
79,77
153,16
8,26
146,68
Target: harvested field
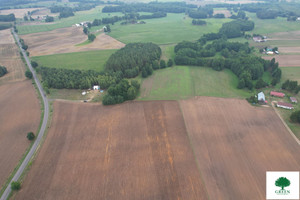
x,y
225,12
290,50
19,114
235,144
64,40
285,60
136,150
19,13
290,35
10,58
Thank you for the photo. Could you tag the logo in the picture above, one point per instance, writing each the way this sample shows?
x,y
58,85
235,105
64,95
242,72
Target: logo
x,y
282,185
282,182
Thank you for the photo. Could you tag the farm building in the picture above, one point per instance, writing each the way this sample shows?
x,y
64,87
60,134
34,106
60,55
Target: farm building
x,y
258,39
285,105
270,52
293,100
96,87
261,96
277,94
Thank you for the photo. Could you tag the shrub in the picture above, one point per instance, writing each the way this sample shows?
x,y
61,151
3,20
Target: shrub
x,y
30,136
15,185
28,74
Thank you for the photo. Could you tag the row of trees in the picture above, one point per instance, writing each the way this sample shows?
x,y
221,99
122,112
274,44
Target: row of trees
x,y
131,59
24,46
49,19
123,91
291,86
236,28
198,22
168,7
7,18
3,70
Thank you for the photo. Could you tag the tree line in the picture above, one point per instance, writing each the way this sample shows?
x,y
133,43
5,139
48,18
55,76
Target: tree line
x,y
7,18
291,86
168,7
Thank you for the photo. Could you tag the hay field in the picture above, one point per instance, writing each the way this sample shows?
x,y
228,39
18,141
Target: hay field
x,y
64,40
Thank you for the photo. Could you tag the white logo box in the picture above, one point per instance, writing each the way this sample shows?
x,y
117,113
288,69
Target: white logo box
x,y
289,192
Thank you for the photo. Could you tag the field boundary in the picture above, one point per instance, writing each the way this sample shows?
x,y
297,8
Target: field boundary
x,y
286,126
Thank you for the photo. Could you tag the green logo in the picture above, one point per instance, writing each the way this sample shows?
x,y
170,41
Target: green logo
x,y
282,182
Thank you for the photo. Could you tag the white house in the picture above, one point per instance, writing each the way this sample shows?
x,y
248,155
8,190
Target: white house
x,y
261,96
96,87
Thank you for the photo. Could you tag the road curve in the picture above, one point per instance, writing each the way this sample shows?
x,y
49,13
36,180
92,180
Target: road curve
x,y
43,127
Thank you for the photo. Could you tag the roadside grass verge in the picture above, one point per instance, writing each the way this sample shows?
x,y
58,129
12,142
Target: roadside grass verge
x,y
86,60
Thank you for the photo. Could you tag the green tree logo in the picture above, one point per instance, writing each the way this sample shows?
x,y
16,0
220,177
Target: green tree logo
x,y
282,182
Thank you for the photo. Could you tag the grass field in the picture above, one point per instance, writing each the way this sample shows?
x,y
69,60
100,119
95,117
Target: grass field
x,y
266,26
181,82
88,60
171,29
80,16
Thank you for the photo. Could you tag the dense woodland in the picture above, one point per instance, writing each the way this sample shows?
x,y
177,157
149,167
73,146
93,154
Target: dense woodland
x,y
7,18
221,54
133,59
3,70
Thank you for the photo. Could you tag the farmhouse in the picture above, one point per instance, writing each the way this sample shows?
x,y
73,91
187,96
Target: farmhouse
x,y
261,97
277,94
285,105
293,100
96,87
258,39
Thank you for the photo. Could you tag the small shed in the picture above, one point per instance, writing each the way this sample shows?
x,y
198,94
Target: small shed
x,y
261,96
277,94
293,100
96,87
285,105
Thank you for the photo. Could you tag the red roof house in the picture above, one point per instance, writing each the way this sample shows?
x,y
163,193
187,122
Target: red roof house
x,y
277,94
285,105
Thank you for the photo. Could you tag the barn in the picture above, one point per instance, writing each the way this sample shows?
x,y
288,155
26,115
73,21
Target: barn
x,y
285,105
277,94
293,100
261,97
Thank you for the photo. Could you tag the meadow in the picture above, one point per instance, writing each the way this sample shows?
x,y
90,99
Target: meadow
x,y
181,82
171,29
87,60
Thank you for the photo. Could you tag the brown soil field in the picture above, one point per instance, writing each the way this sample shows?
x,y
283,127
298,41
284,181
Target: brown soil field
x,y
19,114
291,35
19,13
289,50
64,40
285,60
10,58
136,150
235,144
225,12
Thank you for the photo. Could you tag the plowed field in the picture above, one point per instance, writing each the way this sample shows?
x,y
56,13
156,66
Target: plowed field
x,y
192,149
235,144
64,40
19,114
131,151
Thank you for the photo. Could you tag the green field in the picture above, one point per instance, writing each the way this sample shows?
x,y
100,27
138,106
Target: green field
x,y
265,26
292,73
181,82
90,15
167,30
87,60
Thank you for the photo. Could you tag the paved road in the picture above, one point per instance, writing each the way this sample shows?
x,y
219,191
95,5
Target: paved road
x,y
42,130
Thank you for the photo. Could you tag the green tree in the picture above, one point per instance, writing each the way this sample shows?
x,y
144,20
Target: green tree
x,y
131,93
282,182
85,30
28,74
170,63
295,116
15,185
163,64
30,136
91,37
34,64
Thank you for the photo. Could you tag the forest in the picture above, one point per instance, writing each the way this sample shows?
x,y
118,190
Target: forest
x,y
7,18
222,54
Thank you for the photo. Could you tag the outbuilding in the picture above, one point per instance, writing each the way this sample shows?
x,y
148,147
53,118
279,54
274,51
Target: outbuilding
x,y
285,105
261,97
277,94
96,87
293,100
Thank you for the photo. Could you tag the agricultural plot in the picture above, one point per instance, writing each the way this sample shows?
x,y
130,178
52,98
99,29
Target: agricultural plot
x,y
235,144
285,60
10,58
171,29
181,82
87,60
64,41
222,11
19,13
136,150
19,114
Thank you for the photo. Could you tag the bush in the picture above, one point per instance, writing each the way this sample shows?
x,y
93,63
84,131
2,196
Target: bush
x,y
15,185
163,64
34,64
91,37
30,136
170,63
295,117
28,74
